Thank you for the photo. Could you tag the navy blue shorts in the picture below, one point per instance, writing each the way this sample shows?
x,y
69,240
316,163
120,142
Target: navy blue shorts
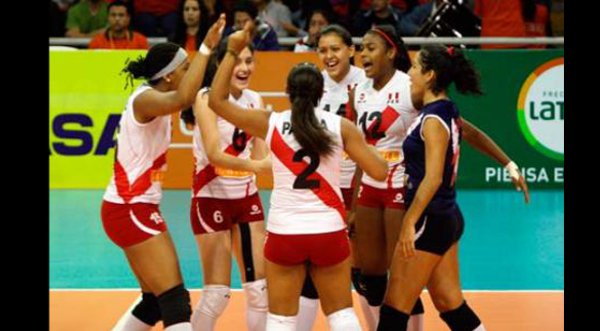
x,y
437,232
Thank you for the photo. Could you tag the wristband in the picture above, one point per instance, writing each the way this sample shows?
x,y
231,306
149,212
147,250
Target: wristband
x,y
513,170
204,50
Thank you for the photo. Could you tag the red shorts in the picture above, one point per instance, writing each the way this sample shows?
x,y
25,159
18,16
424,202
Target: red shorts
x,y
347,194
213,215
372,197
320,249
130,224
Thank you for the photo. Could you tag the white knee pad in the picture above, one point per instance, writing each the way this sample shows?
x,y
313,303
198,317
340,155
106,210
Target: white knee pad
x,y
214,299
281,323
256,295
343,320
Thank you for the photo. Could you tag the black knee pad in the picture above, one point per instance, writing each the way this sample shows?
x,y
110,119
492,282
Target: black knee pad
x,y
392,319
356,276
147,310
175,306
375,287
308,289
461,318
418,307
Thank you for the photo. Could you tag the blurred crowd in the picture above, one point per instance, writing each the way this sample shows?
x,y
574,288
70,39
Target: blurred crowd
x,y
126,24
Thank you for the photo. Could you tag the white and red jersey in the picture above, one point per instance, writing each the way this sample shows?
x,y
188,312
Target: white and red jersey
x,y
384,117
334,100
306,196
216,182
141,157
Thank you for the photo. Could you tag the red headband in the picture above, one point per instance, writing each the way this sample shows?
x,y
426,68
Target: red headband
x,y
386,37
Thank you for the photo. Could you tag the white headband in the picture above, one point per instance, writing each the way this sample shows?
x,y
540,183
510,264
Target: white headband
x,y
178,59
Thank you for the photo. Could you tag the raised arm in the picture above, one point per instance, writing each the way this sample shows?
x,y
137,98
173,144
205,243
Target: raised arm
x,y
486,145
207,122
153,103
255,122
366,156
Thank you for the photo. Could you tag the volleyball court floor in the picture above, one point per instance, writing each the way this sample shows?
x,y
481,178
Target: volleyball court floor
x,y
511,256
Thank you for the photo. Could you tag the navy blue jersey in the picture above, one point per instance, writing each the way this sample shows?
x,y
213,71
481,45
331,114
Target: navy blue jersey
x,y
414,154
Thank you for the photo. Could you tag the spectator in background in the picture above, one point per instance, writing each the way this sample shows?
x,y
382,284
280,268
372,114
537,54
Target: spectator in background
x,y
403,5
318,20
500,18
380,13
412,21
536,15
118,35
214,8
155,18
87,19
263,36
278,16
303,9
192,25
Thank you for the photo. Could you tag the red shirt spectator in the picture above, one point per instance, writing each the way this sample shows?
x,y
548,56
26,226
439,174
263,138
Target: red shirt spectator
x,y
131,40
117,35
500,18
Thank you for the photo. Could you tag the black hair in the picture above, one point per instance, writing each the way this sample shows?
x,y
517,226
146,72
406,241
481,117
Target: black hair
x,y
119,3
158,57
341,32
180,34
305,89
338,30
402,59
324,12
211,69
246,7
450,65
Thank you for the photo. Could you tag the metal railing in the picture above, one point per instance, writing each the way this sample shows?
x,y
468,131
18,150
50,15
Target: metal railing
x,y
290,41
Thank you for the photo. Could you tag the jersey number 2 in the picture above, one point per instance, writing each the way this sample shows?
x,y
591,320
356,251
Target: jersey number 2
x,y
301,181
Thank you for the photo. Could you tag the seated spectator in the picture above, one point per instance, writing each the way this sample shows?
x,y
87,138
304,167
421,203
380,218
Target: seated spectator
x,y
537,20
155,18
192,25
118,35
304,8
87,19
318,20
500,19
278,16
380,13
412,21
403,5
214,8
263,36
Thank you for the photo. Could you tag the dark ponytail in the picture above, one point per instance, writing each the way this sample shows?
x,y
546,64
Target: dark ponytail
x,y
305,88
392,40
211,69
450,65
158,57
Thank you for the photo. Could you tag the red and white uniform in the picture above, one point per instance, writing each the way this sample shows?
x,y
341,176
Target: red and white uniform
x,y
140,157
215,182
334,100
384,117
130,212
306,197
